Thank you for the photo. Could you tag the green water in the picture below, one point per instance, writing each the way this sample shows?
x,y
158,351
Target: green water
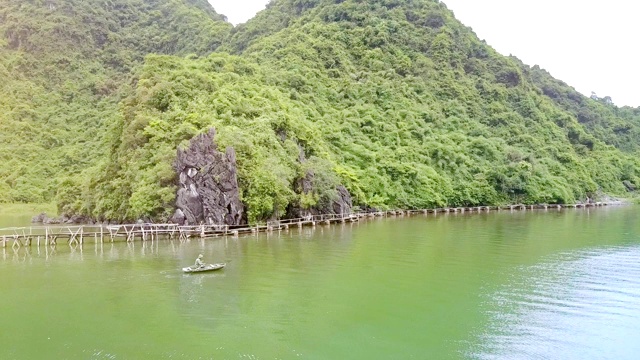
x,y
534,285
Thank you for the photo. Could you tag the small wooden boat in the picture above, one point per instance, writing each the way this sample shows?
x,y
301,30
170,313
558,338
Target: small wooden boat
x,y
208,267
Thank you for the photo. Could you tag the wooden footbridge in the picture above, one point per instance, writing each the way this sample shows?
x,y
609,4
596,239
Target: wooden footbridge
x,y
100,233
49,235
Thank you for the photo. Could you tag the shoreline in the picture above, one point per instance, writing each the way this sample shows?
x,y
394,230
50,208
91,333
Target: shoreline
x,y
49,234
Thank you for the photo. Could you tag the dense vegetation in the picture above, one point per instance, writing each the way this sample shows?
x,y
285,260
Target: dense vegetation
x,y
395,99
64,66
617,126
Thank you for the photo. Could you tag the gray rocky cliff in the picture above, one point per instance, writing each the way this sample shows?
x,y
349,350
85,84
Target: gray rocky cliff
x,y
342,204
208,190
339,202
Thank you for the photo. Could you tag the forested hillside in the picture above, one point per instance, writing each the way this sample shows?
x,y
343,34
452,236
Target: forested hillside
x,y
394,99
63,68
615,126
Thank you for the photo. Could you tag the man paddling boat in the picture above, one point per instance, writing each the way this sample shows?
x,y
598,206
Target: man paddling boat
x,y
199,262
200,266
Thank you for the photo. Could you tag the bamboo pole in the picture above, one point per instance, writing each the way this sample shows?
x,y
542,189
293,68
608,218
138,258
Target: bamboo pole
x,y
130,233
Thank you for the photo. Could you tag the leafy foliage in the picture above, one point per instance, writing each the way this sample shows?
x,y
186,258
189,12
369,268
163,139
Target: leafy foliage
x,y
64,66
394,99
615,126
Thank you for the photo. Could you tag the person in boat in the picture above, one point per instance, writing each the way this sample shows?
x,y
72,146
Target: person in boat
x,y
199,262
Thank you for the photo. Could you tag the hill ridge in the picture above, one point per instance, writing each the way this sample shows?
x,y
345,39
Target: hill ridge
x,y
395,100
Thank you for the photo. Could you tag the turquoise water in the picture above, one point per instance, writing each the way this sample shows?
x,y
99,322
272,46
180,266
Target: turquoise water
x,y
509,285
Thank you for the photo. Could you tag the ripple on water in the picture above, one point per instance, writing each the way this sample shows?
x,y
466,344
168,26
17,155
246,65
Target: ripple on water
x,y
572,307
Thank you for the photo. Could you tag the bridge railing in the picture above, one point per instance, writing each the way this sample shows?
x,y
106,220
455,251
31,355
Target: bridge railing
x,y
143,230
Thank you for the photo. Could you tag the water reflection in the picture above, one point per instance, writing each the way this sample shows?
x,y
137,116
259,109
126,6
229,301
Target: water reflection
x,y
111,251
447,286
576,306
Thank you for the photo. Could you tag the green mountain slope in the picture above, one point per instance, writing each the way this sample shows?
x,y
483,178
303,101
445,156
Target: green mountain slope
x,y
615,126
395,99
63,66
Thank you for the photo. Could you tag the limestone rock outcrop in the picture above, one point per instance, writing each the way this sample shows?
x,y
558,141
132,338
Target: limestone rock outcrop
x,y
43,218
208,190
339,203
342,204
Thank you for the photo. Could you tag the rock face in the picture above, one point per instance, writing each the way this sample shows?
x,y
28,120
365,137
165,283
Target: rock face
x,y
342,204
64,219
40,218
629,185
208,191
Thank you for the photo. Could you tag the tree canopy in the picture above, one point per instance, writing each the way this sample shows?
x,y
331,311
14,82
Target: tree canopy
x,y
394,99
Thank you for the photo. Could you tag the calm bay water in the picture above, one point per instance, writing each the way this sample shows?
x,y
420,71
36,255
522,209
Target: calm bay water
x,y
521,285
